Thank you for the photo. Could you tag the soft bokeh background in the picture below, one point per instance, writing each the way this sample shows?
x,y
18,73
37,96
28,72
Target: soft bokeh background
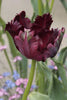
x,y
11,7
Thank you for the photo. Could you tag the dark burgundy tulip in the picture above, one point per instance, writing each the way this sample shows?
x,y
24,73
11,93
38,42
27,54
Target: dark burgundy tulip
x,y
35,40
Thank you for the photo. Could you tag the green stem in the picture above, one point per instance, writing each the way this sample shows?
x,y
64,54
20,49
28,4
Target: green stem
x,y
30,80
52,3
8,61
6,55
40,7
47,6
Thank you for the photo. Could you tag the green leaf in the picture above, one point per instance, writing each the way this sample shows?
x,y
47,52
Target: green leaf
x,y
38,96
40,79
2,23
38,7
64,3
57,92
51,6
33,17
1,40
43,78
62,73
47,10
13,49
23,66
63,55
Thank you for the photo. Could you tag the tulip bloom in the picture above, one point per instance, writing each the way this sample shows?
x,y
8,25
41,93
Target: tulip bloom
x,y
35,40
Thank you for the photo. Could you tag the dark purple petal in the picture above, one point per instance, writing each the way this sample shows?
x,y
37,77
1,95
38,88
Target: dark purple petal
x,y
46,36
26,23
42,23
19,44
17,24
26,47
47,20
13,28
53,49
53,36
20,16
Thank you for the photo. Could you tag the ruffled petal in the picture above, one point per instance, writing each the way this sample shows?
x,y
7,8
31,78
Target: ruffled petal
x,y
53,49
26,47
19,44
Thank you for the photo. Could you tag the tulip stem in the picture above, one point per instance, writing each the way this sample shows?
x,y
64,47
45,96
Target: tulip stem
x,y
40,7
8,61
52,3
47,6
30,80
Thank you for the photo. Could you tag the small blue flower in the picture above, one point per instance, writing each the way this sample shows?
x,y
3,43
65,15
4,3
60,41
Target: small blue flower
x,y
29,66
13,85
5,87
16,75
58,54
5,74
59,78
14,71
50,66
10,84
34,86
1,99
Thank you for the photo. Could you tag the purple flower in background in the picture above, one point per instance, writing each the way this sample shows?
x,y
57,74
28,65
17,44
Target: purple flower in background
x,y
55,68
3,92
3,47
19,81
65,35
15,96
28,98
17,58
16,75
25,81
1,77
19,90
5,74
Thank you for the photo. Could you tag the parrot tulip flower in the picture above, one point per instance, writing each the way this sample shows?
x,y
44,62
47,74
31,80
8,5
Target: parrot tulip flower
x,y
35,40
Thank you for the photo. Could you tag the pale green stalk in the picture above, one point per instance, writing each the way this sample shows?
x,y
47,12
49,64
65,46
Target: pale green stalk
x,y
31,75
51,7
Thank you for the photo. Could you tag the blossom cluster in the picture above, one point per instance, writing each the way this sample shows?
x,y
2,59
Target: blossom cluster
x,y
13,83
